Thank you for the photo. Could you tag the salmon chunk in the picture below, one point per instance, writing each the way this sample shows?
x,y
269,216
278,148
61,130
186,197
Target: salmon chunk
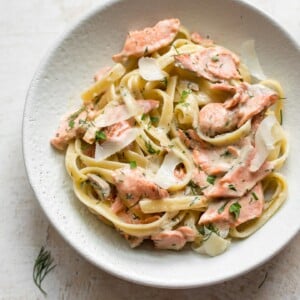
x,y
71,126
114,114
251,206
198,39
239,180
213,64
248,101
148,40
173,239
132,185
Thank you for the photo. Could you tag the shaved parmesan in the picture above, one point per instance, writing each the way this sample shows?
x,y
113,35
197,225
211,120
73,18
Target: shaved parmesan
x,y
112,115
250,59
213,245
264,142
165,177
149,69
116,144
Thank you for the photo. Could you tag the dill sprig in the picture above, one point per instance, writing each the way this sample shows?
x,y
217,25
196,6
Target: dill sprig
x,y
42,266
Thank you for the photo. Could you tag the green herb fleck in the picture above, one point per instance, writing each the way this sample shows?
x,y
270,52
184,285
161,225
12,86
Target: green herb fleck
x,y
185,104
225,154
221,209
71,123
132,164
215,58
193,201
234,209
184,94
100,135
211,179
165,81
42,266
146,51
281,118
150,149
231,187
154,119
254,195
144,116
175,49
128,196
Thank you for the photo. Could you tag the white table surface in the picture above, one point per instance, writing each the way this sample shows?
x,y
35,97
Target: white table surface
x,y
27,29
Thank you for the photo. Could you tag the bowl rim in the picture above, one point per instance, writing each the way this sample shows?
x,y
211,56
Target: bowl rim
x,y
123,275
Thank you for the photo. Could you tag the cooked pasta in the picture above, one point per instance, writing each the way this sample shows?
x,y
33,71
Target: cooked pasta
x,y
178,142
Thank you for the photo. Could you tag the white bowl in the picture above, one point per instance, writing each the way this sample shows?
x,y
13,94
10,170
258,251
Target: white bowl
x,y
68,69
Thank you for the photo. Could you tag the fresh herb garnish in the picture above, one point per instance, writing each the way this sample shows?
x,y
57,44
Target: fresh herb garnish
x,y
175,49
42,266
154,119
193,201
215,58
208,227
185,104
150,149
195,188
254,195
165,81
281,118
128,196
234,209
73,116
100,135
231,187
71,123
221,209
132,164
143,117
184,94
211,179
225,154
146,51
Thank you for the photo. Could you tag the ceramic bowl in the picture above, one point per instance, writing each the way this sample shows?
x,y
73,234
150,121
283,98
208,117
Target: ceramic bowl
x,y
69,68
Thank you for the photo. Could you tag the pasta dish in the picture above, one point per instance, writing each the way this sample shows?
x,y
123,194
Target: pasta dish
x,y
179,142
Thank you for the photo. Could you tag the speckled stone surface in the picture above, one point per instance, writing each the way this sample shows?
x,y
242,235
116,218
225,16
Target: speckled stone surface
x,y
26,32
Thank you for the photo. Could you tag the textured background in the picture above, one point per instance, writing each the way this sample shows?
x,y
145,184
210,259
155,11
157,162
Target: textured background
x,y
27,29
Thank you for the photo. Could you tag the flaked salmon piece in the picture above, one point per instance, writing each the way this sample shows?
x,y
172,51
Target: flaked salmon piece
x,y
213,64
198,39
72,125
239,180
240,96
188,233
101,73
148,40
199,177
215,161
224,87
132,185
173,239
117,205
249,101
259,98
117,112
215,119
191,139
251,206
